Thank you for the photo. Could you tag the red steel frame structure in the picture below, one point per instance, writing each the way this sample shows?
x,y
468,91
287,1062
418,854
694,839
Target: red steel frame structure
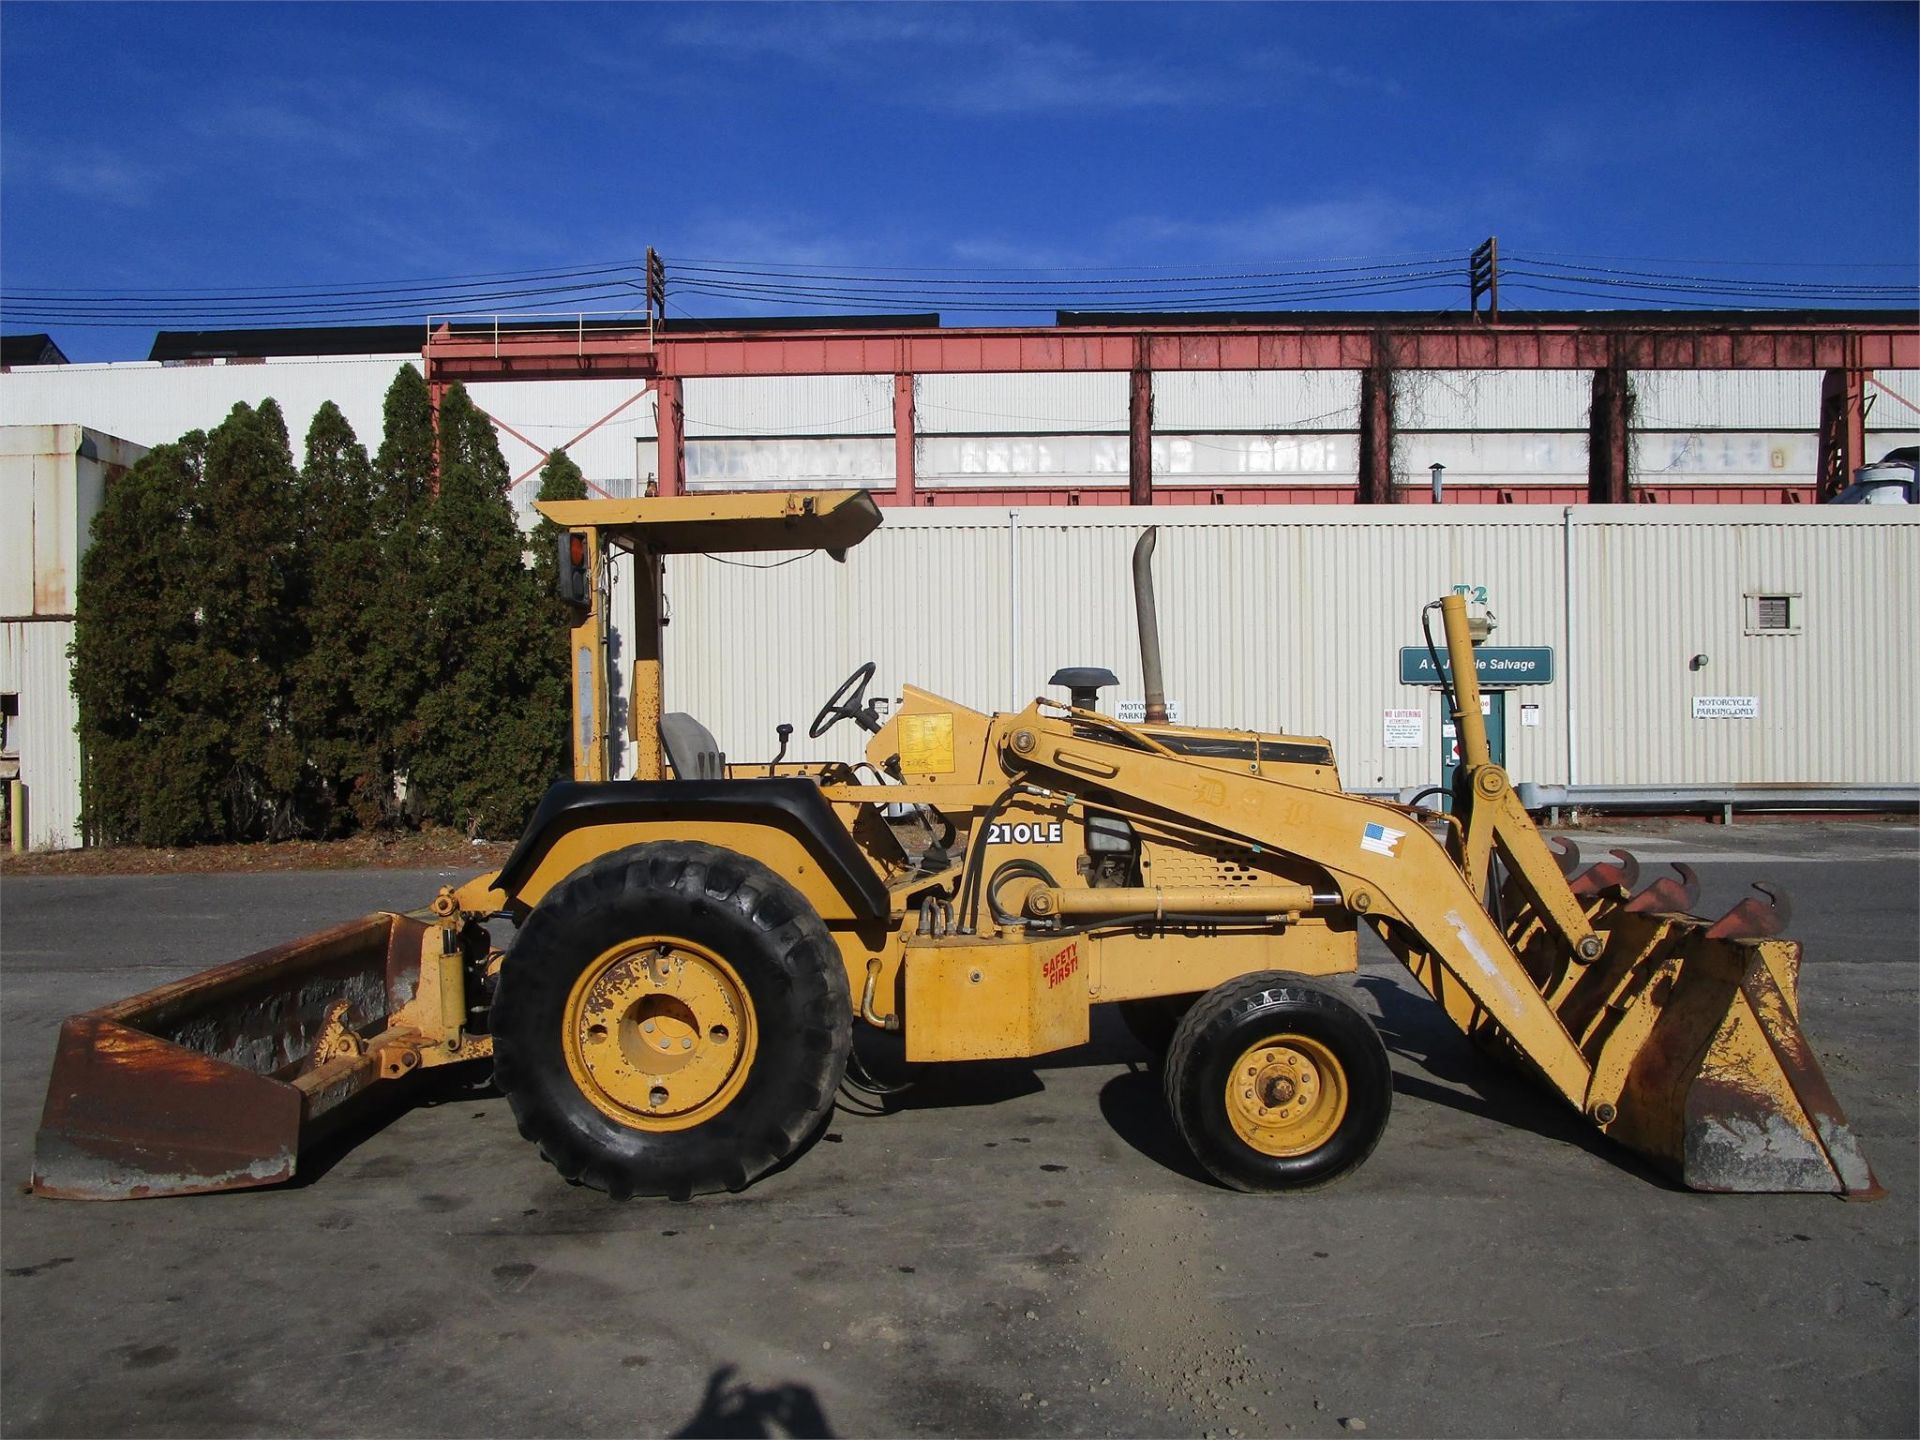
x,y
1847,346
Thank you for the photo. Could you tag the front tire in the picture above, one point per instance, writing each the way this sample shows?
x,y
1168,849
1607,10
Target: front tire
x,y
1278,1083
672,1019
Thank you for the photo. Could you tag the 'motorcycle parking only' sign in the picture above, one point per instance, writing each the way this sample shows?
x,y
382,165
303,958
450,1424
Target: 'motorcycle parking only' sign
x,y
1726,707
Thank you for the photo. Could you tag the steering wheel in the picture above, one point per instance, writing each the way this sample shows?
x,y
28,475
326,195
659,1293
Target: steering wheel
x,y
849,702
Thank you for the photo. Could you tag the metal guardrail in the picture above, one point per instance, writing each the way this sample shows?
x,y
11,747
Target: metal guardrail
x,y
1685,799
1725,799
575,325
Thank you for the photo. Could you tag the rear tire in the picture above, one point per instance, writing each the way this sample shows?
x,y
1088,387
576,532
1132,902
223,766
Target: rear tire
x,y
1278,1083
672,1019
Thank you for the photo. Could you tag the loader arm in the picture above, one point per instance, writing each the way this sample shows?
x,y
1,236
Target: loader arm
x,y
1675,1036
1406,880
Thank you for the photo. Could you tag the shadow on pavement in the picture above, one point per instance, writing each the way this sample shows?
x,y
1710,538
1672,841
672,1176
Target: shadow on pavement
x,y
734,1408
1415,1028
1134,1106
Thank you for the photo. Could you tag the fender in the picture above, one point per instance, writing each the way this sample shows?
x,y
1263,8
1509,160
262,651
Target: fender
x,y
686,810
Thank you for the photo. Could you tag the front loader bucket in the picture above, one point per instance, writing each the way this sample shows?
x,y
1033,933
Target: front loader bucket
x,y
1693,1032
1726,1094
1678,1036
216,1081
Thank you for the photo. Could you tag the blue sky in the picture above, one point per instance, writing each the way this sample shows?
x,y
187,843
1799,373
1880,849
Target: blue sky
x,y
222,147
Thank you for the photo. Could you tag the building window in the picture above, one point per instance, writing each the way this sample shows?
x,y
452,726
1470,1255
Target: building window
x,y
1773,613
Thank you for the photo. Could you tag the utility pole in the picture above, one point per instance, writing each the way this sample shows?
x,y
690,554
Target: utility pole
x,y
1483,277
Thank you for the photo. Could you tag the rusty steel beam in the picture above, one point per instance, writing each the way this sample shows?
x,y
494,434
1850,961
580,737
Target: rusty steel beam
x,y
1140,434
904,426
1843,429
1376,436
671,430
1277,344
1609,438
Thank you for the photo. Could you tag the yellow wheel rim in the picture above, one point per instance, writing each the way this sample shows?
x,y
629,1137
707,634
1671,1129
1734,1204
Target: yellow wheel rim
x,y
660,1033
1287,1095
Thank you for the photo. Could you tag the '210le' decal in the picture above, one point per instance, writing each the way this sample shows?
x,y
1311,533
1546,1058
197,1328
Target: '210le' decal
x,y
1043,832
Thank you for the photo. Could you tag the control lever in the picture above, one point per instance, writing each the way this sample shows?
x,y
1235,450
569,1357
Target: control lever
x,y
785,732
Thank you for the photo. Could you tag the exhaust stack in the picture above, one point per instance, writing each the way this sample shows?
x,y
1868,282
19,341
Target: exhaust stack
x,y
1149,622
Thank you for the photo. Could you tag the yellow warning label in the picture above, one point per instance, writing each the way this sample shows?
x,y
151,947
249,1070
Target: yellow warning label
x,y
926,743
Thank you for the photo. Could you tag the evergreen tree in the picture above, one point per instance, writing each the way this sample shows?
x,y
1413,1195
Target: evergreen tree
x,y
339,597
397,668
236,677
560,479
493,723
148,777
403,470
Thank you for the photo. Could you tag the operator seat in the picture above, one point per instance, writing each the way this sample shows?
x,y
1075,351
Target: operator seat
x,y
691,749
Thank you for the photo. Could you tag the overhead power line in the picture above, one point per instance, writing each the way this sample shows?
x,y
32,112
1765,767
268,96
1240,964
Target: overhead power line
x,y
731,286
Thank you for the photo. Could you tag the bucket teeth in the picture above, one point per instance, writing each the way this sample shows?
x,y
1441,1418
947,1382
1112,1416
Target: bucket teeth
x,y
1621,873
1668,896
1566,854
1753,919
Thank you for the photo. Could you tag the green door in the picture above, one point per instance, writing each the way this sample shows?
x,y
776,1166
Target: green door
x,y
1493,705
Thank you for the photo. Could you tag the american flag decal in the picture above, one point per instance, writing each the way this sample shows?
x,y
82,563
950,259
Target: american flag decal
x,y
1380,839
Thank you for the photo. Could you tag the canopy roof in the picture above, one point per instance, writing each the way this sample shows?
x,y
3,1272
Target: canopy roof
x,y
832,520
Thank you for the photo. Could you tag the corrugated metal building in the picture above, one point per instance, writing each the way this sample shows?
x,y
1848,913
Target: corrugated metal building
x,y
1700,435
1294,617
52,480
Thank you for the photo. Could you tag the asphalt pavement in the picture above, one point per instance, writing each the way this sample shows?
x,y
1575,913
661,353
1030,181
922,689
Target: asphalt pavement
x,y
1017,1249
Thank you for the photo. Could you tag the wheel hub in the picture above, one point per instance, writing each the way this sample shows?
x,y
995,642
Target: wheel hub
x,y
1286,1095
659,1033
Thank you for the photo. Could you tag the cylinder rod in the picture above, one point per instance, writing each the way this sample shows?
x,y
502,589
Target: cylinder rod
x,y
1172,900
1467,720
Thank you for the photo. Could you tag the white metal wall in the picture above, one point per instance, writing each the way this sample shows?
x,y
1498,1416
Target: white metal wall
x,y
1836,700
1893,418
153,404
1008,404
1237,427
1292,618
1747,427
33,667
52,480
1493,399
1270,401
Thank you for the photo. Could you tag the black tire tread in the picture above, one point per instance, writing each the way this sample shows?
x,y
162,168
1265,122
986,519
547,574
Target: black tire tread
x,y
1207,1026
815,1013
